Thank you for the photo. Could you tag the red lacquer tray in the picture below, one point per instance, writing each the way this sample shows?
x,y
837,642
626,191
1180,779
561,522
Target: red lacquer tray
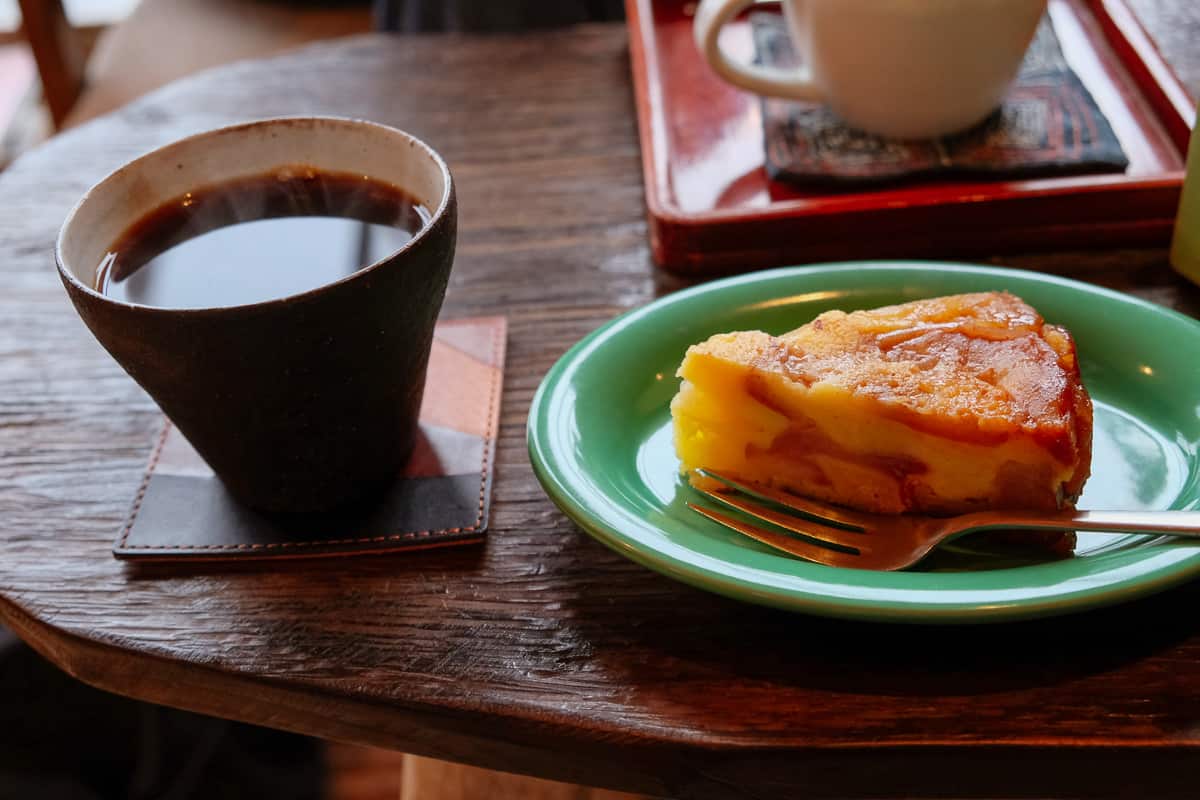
x,y
712,207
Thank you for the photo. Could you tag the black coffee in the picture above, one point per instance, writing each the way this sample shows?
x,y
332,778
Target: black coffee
x,y
258,239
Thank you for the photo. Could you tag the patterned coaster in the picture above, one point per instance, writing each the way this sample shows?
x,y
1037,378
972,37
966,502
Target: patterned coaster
x,y
182,512
1049,125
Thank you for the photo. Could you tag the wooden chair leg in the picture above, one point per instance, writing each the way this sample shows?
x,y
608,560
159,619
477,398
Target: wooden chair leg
x,y
429,779
59,57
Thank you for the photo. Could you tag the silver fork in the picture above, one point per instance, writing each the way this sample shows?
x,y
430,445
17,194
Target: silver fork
x,y
840,537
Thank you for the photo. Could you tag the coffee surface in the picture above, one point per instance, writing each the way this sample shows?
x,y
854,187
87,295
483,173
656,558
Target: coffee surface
x,y
257,239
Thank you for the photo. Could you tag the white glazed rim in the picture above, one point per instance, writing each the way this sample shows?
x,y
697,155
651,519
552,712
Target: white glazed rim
x,y
340,144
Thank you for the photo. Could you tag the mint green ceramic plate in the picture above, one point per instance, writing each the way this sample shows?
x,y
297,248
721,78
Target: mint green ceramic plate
x,y
600,441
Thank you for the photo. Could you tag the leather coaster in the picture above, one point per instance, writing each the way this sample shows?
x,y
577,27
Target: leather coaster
x,y
1048,125
183,512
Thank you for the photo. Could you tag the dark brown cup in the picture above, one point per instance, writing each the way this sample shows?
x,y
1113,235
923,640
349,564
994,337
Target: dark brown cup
x,y
300,404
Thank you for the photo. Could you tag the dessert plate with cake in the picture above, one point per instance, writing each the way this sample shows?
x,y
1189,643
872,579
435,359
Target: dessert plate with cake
x,y
890,388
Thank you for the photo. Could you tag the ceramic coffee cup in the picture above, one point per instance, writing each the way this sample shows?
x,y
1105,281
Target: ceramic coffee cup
x,y
303,403
903,69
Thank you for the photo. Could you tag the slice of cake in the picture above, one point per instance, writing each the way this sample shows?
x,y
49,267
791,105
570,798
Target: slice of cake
x,y
939,406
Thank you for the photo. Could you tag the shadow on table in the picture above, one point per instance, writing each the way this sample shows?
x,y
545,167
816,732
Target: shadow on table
x,y
62,740
682,633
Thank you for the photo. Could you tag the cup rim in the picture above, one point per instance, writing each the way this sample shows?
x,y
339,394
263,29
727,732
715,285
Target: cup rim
x,y
436,217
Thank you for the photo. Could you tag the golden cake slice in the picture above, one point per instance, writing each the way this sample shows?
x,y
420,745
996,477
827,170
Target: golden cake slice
x,y
939,406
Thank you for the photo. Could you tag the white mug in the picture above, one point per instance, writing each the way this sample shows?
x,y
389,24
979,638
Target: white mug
x,y
904,69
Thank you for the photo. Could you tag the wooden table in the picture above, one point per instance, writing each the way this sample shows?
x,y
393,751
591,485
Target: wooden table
x,y
541,652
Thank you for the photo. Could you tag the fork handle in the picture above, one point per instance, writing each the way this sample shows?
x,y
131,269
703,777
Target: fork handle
x,y
1176,523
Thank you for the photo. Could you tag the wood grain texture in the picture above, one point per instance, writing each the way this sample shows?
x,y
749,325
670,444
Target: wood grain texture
x,y
541,652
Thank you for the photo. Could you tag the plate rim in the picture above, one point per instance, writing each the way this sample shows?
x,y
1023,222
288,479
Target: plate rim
x,y
543,461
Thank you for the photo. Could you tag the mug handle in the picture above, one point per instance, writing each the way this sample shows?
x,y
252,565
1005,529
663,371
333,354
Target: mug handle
x,y
711,17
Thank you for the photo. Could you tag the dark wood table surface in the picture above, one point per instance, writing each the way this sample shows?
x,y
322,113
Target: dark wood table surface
x,y
541,652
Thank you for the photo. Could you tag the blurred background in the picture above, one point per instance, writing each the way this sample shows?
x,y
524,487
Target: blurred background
x,y
65,61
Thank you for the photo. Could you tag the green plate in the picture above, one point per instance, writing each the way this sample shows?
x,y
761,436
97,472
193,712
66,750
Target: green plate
x,y
600,442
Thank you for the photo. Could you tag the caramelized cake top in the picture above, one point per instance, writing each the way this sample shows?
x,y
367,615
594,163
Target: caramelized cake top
x,y
974,366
